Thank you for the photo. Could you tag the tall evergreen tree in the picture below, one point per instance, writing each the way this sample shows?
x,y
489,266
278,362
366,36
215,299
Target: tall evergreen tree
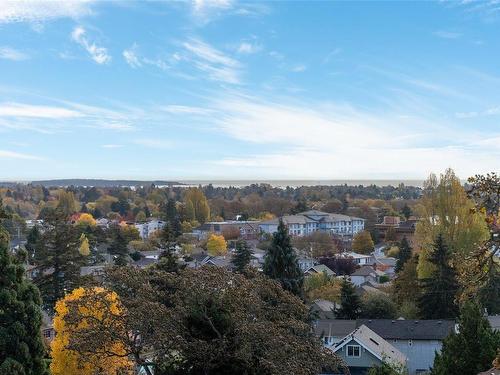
x,y
243,255
489,293
170,210
406,288
472,349
168,243
404,254
118,246
350,304
21,346
280,262
33,237
440,289
57,258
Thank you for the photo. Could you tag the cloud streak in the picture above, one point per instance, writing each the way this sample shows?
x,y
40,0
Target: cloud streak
x,y
215,63
36,111
98,54
43,10
8,53
332,141
447,34
135,60
5,154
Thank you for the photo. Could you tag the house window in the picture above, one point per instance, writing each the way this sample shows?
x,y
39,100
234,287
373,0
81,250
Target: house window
x,y
353,351
47,333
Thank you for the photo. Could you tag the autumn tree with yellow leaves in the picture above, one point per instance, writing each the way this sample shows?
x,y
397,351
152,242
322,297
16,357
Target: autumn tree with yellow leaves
x,y
196,205
216,245
446,209
86,219
84,248
94,306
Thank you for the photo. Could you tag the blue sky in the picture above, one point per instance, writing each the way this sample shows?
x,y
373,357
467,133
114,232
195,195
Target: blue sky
x,y
229,90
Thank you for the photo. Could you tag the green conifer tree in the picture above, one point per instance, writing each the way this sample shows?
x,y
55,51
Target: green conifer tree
x,y
118,246
472,349
404,254
350,304
168,243
57,258
243,255
21,346
440,289
280,262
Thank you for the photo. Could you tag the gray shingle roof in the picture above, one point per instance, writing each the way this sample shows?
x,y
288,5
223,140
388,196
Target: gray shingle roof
x,y
364,271
494,321
334,327
409,329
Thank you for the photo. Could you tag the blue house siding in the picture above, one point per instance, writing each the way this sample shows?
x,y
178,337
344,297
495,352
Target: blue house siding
x,y
358,365
420,353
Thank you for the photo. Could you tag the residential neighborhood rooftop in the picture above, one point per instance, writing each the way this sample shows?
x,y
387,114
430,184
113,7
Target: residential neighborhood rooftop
x,y
410,329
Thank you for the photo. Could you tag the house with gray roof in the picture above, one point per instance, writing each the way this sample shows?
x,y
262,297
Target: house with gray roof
x,y
323,309
319,269
308,222
363,348
332,331
418,340
365,274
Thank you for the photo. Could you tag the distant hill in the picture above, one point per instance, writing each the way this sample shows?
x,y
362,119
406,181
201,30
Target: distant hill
x,y
100,183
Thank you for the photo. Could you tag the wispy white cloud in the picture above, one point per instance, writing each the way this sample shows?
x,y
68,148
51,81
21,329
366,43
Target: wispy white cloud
x,y
205,11
111,146
114,125
298,68
249,48
203,6
5,154
8,53
135,60
447,34
130,56
215,63
98,54
154,143
310,140
183,110
276,55
208,53
51,118
331,54
493,111
43,10
36,111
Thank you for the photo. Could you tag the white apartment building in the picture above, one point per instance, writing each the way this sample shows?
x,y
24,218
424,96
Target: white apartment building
x,y
148,227
311,221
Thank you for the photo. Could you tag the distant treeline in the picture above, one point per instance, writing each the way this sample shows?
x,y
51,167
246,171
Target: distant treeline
x,y
79,182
